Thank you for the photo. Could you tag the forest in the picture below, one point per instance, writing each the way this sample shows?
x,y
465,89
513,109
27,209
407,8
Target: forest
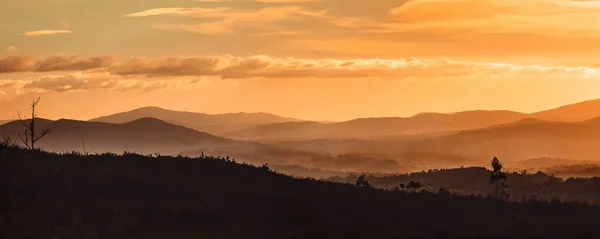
x,y
77,195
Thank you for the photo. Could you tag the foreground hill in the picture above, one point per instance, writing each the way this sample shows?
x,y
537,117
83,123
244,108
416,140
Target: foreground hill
x,y
214,124
474,180
369,128
131,196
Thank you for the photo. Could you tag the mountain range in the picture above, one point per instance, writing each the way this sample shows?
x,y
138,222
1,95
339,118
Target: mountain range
x,y
210,123
420,124
427,140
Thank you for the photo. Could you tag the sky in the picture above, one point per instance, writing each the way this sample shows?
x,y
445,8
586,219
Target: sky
x,y
310,59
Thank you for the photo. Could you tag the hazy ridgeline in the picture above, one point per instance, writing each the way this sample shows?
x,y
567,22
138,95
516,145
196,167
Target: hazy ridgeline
x,y
133,196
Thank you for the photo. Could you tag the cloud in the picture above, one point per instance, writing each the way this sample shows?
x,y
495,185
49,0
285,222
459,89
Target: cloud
x,y
72,63
262,66
230,67
226,20
87,81
11,49
70,82
17,64
46,32
210,28
54,63
189,12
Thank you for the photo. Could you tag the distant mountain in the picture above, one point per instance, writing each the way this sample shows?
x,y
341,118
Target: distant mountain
x,y
369,128
210,123
571,113
145,135
515,142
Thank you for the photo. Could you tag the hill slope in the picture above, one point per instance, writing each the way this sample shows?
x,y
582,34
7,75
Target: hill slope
x,y
214,124
571,113
54,196
576,141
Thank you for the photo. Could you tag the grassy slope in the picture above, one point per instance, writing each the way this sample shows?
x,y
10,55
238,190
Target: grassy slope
x,y
72,196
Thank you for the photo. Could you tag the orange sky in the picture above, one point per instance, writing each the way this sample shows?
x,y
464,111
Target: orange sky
x,y
311,59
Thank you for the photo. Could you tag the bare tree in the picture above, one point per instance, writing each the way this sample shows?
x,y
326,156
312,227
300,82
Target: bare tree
x,y
30,135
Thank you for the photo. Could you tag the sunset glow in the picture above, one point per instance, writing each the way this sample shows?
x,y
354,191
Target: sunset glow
x,y
309,59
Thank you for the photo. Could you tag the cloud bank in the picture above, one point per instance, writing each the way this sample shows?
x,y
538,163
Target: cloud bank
x,y
261,66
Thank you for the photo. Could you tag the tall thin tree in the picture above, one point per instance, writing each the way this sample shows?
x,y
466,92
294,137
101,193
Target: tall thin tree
x,y
31,135
498,178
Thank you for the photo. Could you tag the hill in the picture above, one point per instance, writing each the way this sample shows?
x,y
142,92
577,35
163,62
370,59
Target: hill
x,y
214,124
474,180
576,141
512,142
145,135
132,196
149,136
370,128
571,113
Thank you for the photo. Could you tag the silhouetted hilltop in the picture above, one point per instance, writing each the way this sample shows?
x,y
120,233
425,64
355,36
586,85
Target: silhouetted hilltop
x,y
571,113
211,123
132,196
368,128
475,180
4,121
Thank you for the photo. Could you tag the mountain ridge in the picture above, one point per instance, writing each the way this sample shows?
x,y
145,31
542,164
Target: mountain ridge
x,y
210,123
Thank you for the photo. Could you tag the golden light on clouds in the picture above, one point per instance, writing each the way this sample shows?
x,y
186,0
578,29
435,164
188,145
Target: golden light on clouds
x,y
46,32
268,55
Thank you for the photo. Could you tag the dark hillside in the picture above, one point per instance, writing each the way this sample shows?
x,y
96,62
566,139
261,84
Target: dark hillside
x,y
474,180
131,196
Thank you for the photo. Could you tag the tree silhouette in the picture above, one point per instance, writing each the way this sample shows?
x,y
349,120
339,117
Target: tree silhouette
x,y
498,179
31,136
362,182
414,185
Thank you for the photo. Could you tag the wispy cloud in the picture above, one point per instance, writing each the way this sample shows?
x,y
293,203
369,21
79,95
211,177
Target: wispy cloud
x,y
189,12
227,19
46,32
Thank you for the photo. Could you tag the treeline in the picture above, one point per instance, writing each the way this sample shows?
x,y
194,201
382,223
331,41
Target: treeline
x,y
48,195
520,186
